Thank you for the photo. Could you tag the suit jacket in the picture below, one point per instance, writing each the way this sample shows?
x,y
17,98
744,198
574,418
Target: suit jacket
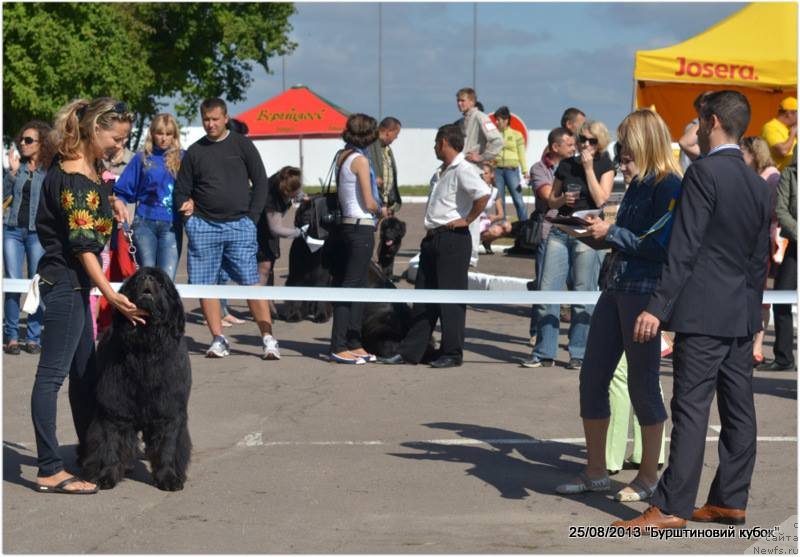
x,y
713,281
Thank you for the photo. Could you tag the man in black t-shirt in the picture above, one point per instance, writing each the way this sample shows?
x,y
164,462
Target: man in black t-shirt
x,y
213,191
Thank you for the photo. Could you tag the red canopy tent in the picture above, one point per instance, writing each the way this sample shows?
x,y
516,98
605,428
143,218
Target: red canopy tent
x,y
296,113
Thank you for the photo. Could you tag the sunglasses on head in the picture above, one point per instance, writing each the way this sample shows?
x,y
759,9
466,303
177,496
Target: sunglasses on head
x,y
27,140
590,140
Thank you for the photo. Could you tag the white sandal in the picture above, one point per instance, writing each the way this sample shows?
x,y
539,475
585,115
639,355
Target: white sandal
x,y
641,492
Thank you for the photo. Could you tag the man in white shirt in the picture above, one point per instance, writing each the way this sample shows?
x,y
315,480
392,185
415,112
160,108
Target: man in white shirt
x,y
456,199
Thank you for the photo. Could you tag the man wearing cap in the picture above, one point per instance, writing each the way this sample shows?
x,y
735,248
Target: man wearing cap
x,y
781,132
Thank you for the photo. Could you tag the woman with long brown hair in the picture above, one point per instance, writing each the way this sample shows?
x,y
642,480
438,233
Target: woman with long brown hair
x,y
22,185
148,181
75,221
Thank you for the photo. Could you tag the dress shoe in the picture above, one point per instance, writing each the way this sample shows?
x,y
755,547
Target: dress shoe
x,y
772,365
652,519
722,515
395,359
446,361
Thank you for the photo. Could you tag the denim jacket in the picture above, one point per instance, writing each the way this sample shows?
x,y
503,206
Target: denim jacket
x,y
641,233
12,185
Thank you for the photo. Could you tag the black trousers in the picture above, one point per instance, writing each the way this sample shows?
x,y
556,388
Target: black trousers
x,y
444,262
784,330
351,252
67,349
704,365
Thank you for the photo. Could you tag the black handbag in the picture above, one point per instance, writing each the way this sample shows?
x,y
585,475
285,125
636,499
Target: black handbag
x,y
604,277
529,231
326,213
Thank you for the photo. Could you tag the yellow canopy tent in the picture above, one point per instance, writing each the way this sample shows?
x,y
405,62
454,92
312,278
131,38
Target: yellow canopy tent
x,y
754,51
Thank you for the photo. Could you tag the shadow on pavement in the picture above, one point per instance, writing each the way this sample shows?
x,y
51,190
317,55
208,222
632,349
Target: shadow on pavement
x,y
540,469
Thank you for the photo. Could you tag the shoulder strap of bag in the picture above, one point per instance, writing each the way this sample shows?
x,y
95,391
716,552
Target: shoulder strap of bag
x,y
333,172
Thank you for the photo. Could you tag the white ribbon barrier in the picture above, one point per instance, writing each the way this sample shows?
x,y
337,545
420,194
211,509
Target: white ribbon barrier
x,y
473,297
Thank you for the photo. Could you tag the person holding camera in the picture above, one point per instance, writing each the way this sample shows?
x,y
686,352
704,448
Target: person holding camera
x,y
353,240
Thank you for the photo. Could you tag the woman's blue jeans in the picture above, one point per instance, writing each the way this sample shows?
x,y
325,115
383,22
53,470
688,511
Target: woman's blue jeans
x,y
565,255
67,349
509,177
158,244
20,244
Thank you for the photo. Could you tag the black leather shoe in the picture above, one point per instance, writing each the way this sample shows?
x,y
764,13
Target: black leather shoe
x,y
395,359
775,366
446,361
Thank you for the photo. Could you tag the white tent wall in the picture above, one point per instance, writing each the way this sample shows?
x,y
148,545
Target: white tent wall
x,y
413,150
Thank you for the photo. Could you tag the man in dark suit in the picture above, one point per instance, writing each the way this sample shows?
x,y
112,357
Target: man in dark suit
x,y
710,294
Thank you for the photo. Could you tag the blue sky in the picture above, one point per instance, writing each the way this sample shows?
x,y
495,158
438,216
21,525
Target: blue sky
x,y
537,58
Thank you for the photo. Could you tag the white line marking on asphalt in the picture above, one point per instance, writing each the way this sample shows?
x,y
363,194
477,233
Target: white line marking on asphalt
x,y
255,439
716,428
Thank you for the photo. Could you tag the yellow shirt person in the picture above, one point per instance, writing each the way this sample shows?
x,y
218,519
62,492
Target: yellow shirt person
x,y
780,130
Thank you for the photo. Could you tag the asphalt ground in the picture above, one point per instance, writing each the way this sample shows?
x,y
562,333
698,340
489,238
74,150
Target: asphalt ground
x,y
304,456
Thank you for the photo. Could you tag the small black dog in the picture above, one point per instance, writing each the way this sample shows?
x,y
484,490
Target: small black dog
x,y
143,385
391,237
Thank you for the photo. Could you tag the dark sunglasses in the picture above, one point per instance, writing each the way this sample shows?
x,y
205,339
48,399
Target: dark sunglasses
x,y
120,108
590,140
27,140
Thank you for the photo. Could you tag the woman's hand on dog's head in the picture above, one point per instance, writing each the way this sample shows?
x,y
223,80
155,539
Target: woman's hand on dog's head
x,y
128,309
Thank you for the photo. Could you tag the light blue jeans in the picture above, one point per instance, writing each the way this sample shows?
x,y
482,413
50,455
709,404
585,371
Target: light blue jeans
x,y
158,244
510,177
565,255
19,244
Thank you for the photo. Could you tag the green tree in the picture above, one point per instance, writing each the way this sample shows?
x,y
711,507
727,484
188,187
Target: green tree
x,y
143,53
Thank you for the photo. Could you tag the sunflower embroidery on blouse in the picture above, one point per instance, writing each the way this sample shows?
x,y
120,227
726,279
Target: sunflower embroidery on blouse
x,y
103,227
92,200
88,221
67,200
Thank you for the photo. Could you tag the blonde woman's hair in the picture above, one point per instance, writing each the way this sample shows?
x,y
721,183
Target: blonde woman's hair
x,y
75,123
600,131
759,148
644,135
172,156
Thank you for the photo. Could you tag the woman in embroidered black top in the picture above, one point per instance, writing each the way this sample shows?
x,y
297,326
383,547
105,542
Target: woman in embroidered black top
x,y
74,222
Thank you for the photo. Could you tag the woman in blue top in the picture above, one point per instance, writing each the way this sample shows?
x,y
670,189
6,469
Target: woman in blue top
x,y
148,181
22,184
639,241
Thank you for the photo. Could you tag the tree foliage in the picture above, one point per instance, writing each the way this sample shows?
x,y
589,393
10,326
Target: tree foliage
x,y
143,53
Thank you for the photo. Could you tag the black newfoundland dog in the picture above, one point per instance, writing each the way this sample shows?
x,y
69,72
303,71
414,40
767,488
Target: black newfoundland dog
x,y
391,236
144,379
384,325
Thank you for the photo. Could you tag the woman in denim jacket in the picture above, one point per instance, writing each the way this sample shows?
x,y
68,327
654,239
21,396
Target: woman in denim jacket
x,y
639,241
22,184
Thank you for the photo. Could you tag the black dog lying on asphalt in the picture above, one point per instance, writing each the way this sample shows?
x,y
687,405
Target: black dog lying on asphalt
x,y
384,325
391,237
143,385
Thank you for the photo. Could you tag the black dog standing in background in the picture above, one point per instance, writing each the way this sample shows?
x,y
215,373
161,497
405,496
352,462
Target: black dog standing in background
x,y
392,232
144,380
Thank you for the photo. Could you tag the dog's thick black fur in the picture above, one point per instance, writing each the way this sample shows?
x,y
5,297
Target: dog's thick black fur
x,y
144,380
306,269
391,237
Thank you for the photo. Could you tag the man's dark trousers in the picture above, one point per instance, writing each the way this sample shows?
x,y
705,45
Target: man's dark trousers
x,y
444,263
702,363
784,333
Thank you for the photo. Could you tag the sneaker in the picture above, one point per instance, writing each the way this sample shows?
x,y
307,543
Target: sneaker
x,y
574,363
536,362
271,351
218,349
